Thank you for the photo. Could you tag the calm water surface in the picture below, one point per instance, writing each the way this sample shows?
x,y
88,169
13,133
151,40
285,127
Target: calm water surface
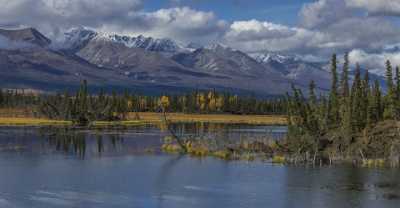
x,y
46,168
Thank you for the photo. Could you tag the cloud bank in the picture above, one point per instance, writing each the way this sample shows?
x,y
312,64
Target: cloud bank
x,y
120,16
377,7
324,27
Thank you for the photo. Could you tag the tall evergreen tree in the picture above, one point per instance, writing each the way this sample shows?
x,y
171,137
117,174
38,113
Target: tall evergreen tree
x,y
396,101
313,97
344,81
333,114
345,100
364,105
389,78
378,99
374,113
356,96
389,112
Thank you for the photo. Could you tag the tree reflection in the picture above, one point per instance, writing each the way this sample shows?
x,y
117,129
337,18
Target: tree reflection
x,y
76,141
100,145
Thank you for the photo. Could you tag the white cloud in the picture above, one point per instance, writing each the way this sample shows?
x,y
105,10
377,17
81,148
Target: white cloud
x,y
119,16
75,9
323,13
374,60
185,24
253,30
379,7
341,36
325,26
369,33
51,15
256,36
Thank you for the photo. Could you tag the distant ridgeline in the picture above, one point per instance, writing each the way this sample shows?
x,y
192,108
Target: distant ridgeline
x,y
85,107
354,120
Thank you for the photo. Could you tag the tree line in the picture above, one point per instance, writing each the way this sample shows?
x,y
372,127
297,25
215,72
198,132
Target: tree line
x,y
17,98
336,120
83,107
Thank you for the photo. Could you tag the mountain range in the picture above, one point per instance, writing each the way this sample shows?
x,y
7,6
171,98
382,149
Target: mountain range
x,y
146,64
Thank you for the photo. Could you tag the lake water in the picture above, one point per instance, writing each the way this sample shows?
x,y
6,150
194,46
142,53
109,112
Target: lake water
x,y
42,168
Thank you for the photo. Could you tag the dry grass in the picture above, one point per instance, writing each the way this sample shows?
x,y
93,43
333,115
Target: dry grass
x,y
118,123
213,118
8,121
25,117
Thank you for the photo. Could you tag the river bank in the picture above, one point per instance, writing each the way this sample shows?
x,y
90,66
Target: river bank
x,y
378,146
20,118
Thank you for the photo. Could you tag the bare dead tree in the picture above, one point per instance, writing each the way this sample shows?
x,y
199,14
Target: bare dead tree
x,y
172,132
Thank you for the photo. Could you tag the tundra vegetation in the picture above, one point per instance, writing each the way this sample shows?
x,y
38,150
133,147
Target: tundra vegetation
x,y
356,122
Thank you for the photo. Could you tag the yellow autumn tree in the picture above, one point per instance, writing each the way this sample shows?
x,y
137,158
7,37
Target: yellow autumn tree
x,y
142,103
183,103
219,103
164,102
212,103
201,101
130,105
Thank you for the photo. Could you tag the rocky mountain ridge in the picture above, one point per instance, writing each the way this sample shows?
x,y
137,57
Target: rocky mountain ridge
x,y
148,64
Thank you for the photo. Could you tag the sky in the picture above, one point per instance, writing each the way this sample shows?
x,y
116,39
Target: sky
x,y
279,11
369,30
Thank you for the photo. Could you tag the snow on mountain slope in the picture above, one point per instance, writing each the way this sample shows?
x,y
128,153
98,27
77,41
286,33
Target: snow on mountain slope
x,y
222,59
270,57
148,61
77,38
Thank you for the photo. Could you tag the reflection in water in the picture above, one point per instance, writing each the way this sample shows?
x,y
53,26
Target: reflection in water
x,y
230,131
65,140
81,142
75,142
81,168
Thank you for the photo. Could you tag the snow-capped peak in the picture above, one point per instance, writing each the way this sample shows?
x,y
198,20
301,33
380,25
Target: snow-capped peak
x,y
147,43
217,46
76,37
273,57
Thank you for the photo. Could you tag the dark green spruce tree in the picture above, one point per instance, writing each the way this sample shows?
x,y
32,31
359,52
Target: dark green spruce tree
x,y
396,101
333,113
345,101
390,97
356,96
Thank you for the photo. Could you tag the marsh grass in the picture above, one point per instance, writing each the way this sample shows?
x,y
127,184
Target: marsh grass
x,y
118,123
278,159
19,116
212,118
8,121
371,163
243,149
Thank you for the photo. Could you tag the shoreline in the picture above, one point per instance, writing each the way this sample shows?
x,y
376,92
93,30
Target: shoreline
x,y
154,118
